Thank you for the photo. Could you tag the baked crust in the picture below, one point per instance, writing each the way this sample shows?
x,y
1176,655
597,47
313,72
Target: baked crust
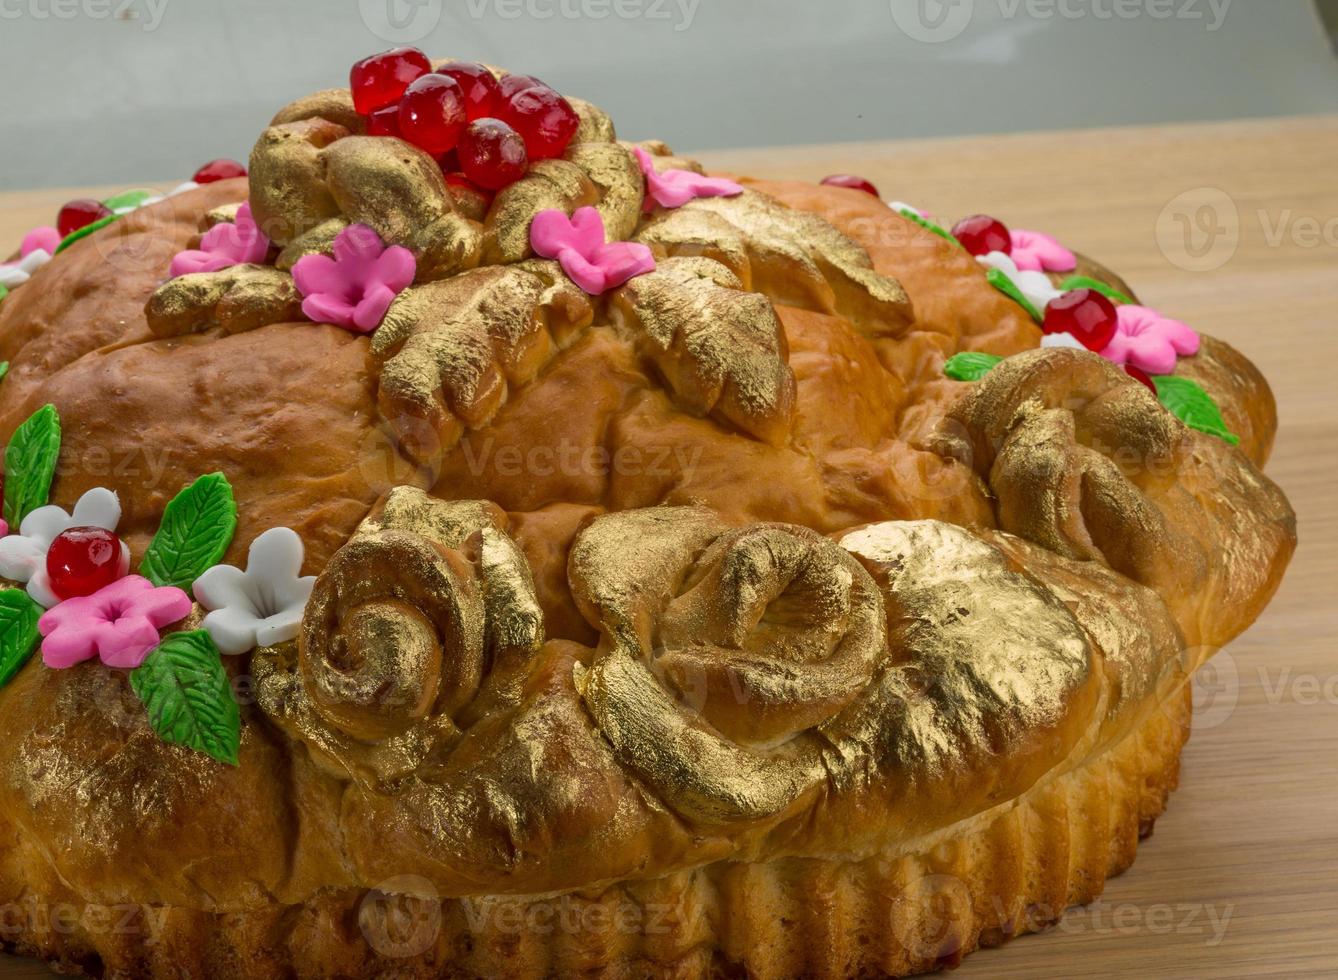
x,y
768,617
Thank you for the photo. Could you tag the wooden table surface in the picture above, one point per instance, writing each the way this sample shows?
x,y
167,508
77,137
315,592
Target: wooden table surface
x,y
1234,228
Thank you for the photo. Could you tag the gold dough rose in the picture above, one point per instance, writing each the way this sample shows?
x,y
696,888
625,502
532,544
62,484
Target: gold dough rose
x,y
398,634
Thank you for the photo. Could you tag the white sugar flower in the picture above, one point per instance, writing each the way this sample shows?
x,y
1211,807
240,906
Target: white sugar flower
x,y
23,555
17,273
263,605
1036,286
1062,340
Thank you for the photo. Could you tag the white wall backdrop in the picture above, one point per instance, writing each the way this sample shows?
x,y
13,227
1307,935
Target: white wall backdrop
x,y
102,91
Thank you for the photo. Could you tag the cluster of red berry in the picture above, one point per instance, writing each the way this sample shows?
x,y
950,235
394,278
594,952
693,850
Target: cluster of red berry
x,y
484,131
83,212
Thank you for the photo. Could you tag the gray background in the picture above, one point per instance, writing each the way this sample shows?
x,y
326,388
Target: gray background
x,y
145,93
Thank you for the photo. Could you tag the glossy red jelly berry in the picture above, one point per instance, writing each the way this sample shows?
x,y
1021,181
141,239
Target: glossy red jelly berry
x,y
80,214
509,85
1086,314
380,80
1141,376
384,121
853,182
432,114
82,560
492,154
545,119
980,235
216,170
479,85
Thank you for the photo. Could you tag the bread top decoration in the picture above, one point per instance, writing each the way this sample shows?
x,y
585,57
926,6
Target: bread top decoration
x,y
571,515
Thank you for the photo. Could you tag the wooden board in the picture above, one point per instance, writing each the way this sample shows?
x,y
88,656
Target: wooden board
x,y
1241,877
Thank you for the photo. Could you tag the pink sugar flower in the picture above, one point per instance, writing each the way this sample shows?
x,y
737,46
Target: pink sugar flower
x,y
39,245
118,623
354,289
226,244
1149,341
1037,252
674,188
45,238
579,245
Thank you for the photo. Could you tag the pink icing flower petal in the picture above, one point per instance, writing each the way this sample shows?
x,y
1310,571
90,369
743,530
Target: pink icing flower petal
x,y
550,232
240,242
327,308
45,238
317,274
120,623
1149,341
395,267
578,245
192,261
1034,251
358,243
354,289
674,188
368,314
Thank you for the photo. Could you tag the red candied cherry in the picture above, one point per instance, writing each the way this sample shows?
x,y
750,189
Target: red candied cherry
x,y
545,120
980,235
479,85
492,154
1141,376
1086,314
509,85
216,170
432,114
384,121
380,80
851,181
80,214
82,560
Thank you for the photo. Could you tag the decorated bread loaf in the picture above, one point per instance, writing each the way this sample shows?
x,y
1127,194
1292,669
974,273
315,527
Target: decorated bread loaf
x,y
460,543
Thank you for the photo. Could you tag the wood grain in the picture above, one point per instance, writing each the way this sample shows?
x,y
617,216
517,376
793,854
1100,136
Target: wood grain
x,y
1241,877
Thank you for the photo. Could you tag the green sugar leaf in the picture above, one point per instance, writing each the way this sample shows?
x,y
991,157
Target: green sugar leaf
x,y
194,536
1087,282
30,464
1000,281
18,632
1187,401
4,370
127,200
190,702
85,231
970,365
924,222
4,291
